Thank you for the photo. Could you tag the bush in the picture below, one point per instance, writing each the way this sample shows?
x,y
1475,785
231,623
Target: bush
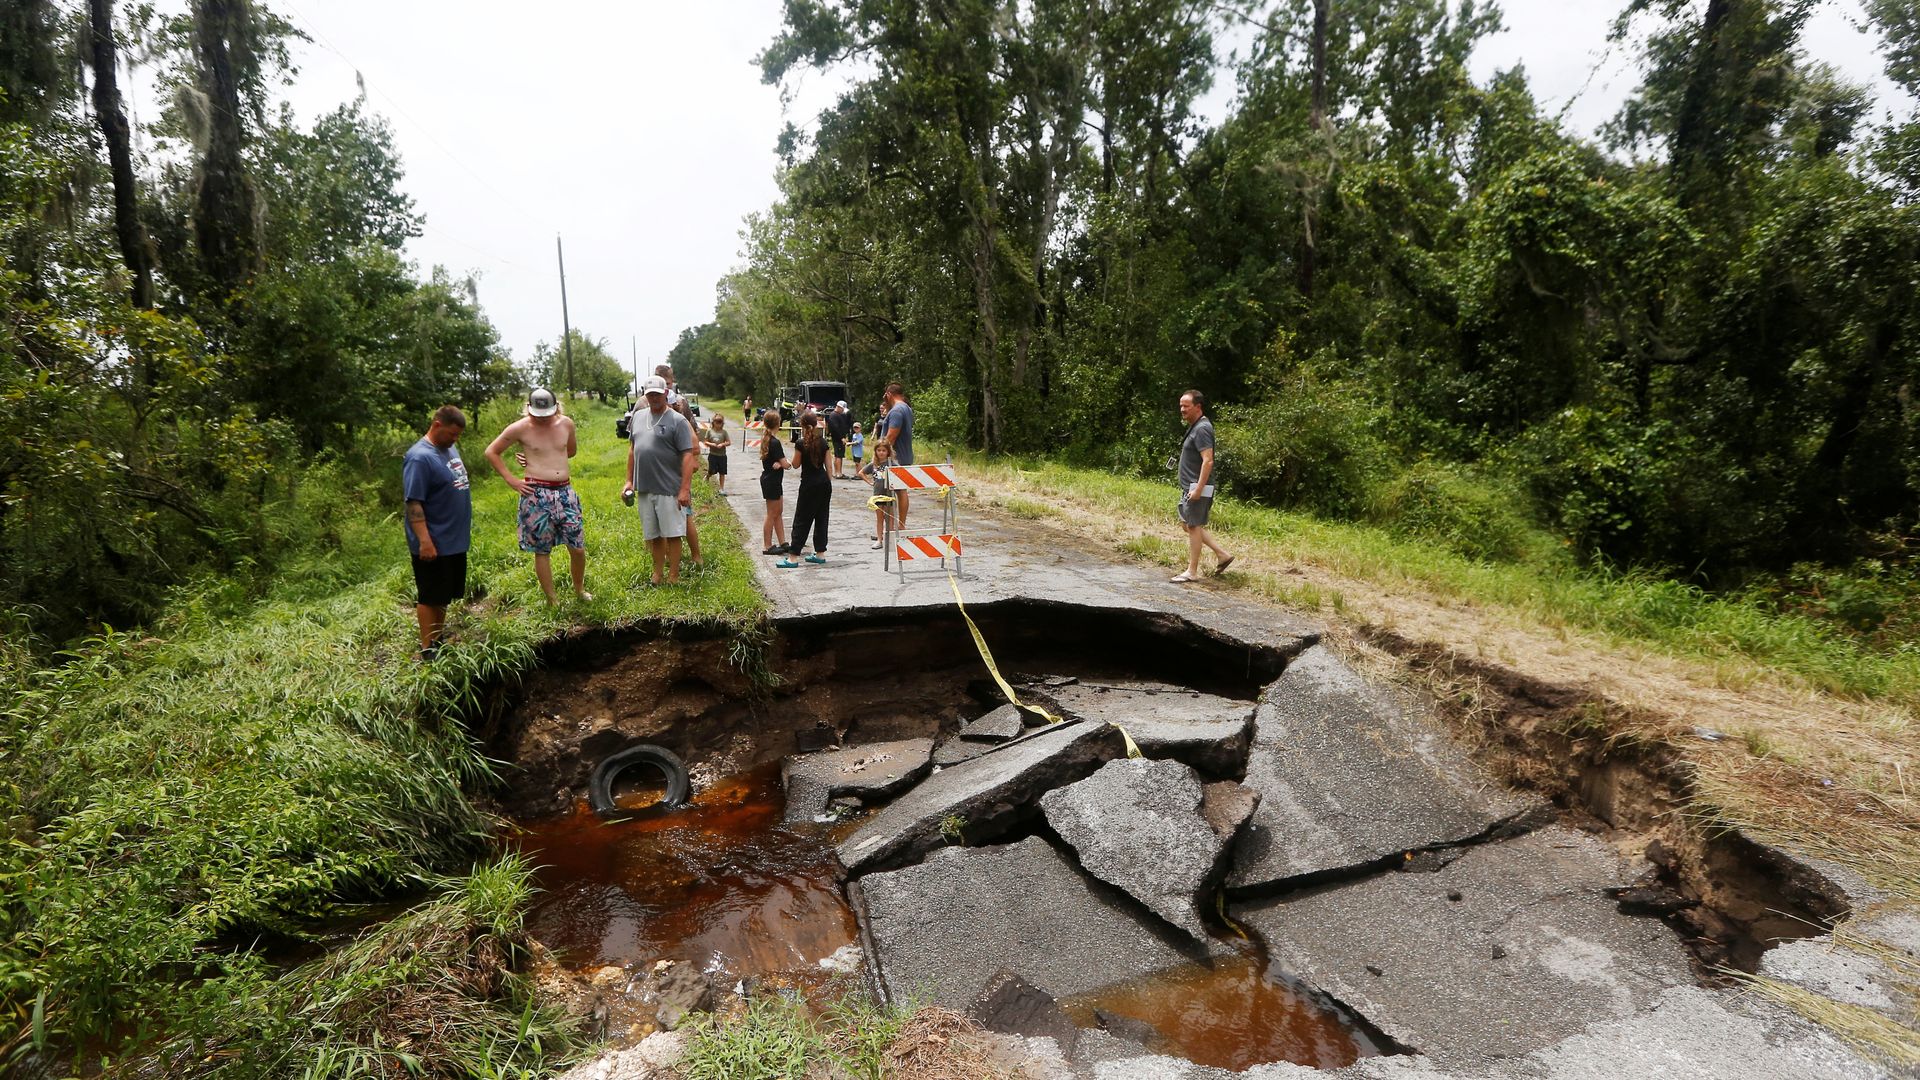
x,y
1471,515
1315,445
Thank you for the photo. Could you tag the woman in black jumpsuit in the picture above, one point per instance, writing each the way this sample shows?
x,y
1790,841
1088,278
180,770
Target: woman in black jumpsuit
x,y
816,494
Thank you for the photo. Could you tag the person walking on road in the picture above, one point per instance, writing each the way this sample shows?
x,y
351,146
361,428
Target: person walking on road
x,y
660,464
839,428
746,409
439,522
717,441
898,435
773,466
1196,487
549,507
811,507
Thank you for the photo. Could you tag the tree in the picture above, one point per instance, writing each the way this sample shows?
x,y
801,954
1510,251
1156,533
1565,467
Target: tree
x,y
113,125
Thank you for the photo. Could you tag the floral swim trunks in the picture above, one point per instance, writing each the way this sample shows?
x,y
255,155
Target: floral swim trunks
x,y
549,518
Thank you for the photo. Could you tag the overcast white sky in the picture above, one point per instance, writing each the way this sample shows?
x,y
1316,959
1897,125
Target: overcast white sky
x,y
642,134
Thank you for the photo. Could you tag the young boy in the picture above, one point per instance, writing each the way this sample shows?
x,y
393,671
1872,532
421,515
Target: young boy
x,y
859,444
877,472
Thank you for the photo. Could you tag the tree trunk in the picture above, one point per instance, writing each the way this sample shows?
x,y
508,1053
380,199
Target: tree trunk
x,y
1317,119
113,124
1316,125
1692,131
224,207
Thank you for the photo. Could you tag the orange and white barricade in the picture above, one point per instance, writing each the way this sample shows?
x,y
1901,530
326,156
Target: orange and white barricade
x,y
902,546
756,434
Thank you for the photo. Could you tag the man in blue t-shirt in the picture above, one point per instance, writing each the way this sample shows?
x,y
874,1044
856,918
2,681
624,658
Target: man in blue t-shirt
x,y
439,522
897,430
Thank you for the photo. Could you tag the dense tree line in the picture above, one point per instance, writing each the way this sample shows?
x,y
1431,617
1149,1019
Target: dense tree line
x,y
1692,343
189,318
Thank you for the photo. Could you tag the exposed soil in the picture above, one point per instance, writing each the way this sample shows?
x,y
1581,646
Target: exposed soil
x,y
838,680
1730,897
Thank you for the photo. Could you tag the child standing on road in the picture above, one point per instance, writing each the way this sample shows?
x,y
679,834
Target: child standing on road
x,y
859,444
773,461
717,441
877,472
816,494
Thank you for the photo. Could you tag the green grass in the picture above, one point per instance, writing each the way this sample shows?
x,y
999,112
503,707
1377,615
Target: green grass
x,y
1640,607
779,1037
192,802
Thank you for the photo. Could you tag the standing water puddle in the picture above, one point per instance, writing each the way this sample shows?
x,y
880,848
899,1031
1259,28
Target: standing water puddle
x,y
1233,1016
721,883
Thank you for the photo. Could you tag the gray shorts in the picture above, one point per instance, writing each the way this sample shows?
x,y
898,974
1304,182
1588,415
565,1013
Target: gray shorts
x,y
1195,511
660,516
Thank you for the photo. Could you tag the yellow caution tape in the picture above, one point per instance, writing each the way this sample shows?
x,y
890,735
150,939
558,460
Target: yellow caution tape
x,y
1220,906
877,501
986,655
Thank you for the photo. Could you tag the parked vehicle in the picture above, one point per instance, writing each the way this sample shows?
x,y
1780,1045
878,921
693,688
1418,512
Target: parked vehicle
x,y
820,395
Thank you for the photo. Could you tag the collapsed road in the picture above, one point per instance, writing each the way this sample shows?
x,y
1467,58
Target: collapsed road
x,y
1293,814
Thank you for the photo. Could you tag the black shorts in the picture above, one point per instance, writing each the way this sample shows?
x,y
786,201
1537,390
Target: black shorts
x,y
770,486
439,582
839,447
716,464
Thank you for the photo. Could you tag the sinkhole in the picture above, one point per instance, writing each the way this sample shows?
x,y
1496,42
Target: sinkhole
x,y
1302,865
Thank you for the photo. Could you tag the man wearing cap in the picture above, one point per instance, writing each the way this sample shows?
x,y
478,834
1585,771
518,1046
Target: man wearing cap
x,y
549,507
660,465
678,403
840,428
439,522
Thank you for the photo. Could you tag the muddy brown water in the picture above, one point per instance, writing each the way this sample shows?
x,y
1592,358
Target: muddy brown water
x,y
1236,1015
722,883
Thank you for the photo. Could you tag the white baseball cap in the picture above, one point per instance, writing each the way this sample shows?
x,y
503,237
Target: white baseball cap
x,y
541,402
653,384
839,404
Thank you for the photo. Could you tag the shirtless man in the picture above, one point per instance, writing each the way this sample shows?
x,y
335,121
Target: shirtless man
x,y
549,508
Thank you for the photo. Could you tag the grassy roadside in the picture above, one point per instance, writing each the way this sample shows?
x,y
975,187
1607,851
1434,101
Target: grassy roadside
x,y
195,808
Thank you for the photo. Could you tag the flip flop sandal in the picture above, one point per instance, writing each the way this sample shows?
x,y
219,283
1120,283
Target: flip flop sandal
x,y
1182,578
1222,568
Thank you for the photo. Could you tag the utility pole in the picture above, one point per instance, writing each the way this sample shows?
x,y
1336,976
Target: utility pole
x,y
636,363
566,326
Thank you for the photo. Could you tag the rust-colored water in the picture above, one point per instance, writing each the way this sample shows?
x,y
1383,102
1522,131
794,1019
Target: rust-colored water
x,y
721,883
1232,1017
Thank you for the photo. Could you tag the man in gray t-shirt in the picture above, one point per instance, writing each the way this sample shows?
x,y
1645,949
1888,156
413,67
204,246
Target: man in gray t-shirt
x,y
1196,487
660,465
896,430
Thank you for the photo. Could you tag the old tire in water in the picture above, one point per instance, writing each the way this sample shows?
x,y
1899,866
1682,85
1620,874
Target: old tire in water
x,y
600,787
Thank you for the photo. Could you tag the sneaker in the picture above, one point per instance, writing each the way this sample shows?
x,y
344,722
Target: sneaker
x,y
877,545
426,655
816,558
